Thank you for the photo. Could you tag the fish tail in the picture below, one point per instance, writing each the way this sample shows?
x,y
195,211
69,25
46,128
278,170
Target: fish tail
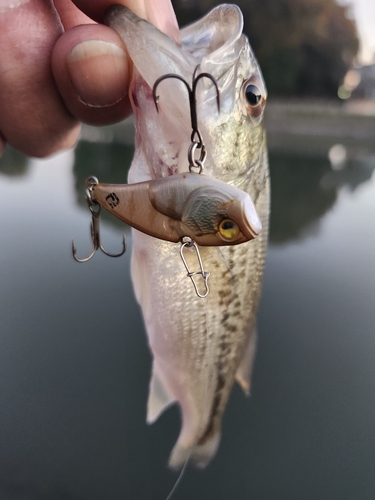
x,y
199,454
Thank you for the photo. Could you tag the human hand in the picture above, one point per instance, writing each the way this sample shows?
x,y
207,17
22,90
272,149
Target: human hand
x,y
58,68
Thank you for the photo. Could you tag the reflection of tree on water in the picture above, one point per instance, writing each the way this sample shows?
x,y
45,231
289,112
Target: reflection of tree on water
x,y
304,189
353,175
297,199
109,162
13,163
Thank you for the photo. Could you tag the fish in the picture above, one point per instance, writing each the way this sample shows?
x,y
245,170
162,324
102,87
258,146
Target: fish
x,y
200,347
192,205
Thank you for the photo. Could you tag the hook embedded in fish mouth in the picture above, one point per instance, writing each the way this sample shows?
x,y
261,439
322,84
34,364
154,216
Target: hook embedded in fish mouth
x,y
192,99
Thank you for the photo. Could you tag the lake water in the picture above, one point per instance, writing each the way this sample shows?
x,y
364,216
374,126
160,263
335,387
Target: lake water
x,y
74,363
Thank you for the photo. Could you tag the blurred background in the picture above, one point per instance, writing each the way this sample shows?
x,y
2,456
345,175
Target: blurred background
x,y
74,363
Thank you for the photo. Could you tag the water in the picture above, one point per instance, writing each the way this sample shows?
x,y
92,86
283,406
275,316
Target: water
x,y
74,363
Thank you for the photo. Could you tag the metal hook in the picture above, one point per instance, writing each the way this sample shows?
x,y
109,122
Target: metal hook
x,y
189,243
95,210
192,99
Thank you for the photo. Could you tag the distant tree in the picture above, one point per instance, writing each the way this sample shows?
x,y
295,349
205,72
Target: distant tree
x,y
304,47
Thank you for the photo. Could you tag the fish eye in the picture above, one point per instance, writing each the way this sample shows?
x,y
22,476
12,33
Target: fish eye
x,y
228,229
253,95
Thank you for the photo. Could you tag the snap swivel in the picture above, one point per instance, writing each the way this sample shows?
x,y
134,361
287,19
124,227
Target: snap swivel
x,y
189,243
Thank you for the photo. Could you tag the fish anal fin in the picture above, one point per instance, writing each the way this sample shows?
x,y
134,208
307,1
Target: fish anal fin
x,y
244,371
159,398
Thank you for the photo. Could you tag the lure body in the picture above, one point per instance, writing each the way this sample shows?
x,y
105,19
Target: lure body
x,y
186,204
199,347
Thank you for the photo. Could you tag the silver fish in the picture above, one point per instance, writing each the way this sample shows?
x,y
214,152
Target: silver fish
x,y
199,346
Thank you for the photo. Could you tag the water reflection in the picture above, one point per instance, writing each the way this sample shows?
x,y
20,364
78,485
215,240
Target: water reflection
x,y
355,173
13,163
75,365
12,489
298,200
109,162
305,188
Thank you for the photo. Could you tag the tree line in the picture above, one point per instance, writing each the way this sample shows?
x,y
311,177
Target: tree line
x,y
304,47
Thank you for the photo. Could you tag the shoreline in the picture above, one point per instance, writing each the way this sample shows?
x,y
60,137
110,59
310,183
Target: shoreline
x,y
308,126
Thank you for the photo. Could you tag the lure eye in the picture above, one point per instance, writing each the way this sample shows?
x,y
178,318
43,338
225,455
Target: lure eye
x,y
228,229
253,95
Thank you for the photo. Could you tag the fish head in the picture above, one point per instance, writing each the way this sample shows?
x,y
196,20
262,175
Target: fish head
x,y
215,44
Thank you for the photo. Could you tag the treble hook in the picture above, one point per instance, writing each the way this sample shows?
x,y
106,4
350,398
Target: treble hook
x,y
192,99
187,242
95,210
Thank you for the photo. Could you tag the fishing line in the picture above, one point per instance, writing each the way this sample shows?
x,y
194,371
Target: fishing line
x,y
225,262
179,479
207,359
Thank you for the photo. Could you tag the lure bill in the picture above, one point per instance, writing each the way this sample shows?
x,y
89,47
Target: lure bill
x,y
199,347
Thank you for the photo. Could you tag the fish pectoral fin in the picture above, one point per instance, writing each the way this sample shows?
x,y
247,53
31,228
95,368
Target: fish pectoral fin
x,y
139,272
159,398
243,374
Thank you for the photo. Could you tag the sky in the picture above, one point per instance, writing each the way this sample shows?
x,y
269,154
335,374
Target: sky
x,y
364,13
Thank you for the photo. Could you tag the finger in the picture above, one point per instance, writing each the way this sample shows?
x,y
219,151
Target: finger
x,y
33,118
158,12
69,14
91,70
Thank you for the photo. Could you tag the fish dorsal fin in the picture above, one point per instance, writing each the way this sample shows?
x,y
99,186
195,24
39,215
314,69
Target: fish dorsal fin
x,y
159,398
243,375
